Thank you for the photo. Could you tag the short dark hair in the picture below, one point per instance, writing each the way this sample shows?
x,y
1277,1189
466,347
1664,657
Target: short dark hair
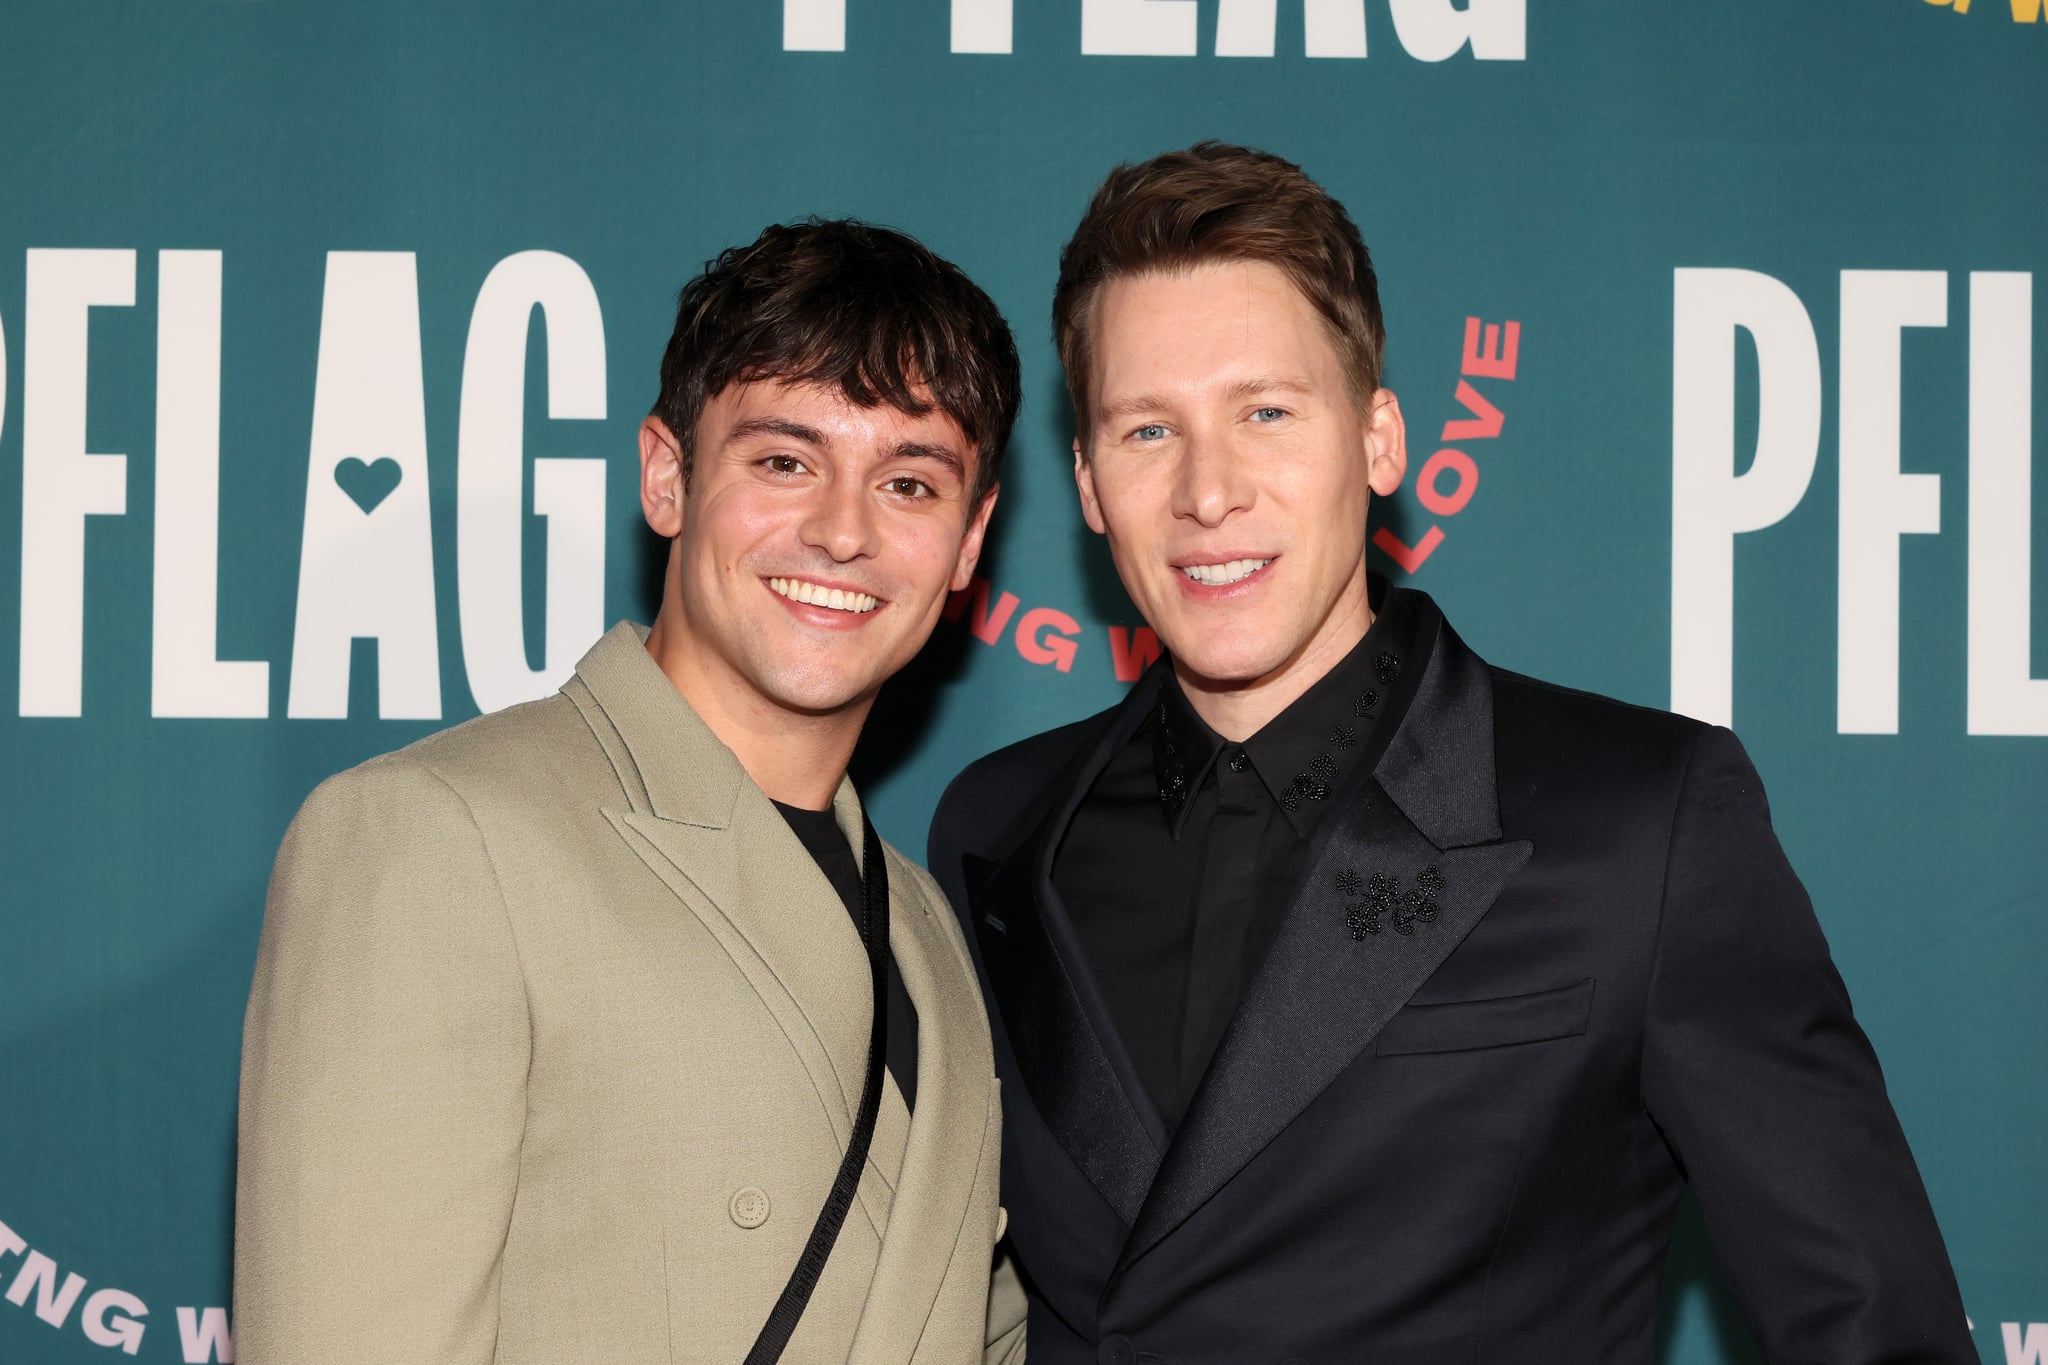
x,y
1218,202
848,304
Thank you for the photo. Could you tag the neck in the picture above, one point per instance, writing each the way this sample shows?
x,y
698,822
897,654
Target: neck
x,y
1237,709
795,757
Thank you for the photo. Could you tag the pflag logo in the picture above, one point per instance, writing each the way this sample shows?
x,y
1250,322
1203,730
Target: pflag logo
x,y
2023,11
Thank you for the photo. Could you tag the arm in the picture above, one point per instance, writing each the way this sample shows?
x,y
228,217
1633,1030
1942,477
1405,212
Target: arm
x,y
1771,1099
384,1064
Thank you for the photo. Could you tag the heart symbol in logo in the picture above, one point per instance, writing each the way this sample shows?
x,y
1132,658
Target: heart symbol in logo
x,y
367,485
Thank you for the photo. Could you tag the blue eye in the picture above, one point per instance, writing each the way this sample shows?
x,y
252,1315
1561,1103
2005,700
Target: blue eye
x,y
1151,431
1269,414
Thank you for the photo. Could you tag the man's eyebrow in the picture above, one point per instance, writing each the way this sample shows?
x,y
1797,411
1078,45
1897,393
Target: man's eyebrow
x,y
1132,406
940,455
1267,383
777,426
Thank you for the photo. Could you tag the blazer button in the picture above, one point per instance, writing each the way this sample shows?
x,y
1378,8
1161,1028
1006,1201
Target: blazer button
x,y
1116,1349
749,1206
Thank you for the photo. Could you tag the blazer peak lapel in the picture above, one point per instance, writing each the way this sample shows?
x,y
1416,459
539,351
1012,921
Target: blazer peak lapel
x,y
948,1129
1386,898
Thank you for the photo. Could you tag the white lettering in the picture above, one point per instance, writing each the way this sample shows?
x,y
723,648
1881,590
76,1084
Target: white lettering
x,y
123,1331
814,25
1878,503
2003,698
39,1273
2029,1350
1433,30
981,25
490,479
186,677
1710,503
61,484
366,559
204,1335
1331,28
1138,28
11,1242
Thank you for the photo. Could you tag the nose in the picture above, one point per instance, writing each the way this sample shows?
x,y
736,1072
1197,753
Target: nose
x,y
840,521
1213,480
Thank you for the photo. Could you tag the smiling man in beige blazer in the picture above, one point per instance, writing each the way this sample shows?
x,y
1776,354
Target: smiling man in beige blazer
x,y
565,1020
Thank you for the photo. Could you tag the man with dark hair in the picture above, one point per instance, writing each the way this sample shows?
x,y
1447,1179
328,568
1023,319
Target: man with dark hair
x,y
1357,1000
605,1028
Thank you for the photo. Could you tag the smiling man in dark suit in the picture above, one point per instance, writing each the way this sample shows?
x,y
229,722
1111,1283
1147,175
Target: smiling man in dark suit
x,y
1355,999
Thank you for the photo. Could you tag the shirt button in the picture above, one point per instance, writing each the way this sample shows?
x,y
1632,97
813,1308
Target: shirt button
x,y
1239,761
1116,1350
749,1206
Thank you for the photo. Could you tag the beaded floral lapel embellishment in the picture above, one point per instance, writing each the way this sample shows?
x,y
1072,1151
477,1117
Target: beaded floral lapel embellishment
x,y
1368,902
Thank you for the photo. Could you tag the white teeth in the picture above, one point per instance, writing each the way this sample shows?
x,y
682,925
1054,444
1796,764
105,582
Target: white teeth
x,y
816,595
1219,575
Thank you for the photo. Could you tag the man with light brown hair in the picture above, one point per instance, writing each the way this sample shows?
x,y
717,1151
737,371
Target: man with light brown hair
x,y
1356,1000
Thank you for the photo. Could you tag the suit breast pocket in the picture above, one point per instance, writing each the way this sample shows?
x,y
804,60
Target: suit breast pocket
x,y
1468,1025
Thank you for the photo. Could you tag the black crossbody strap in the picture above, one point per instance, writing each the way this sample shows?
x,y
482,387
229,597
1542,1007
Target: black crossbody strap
x,y
874,928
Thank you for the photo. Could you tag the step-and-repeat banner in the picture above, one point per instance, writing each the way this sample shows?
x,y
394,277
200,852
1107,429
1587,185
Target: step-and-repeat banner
x,y
324,331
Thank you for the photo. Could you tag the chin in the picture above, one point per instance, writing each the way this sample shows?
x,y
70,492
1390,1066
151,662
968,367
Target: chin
x,y
1234,662
815,690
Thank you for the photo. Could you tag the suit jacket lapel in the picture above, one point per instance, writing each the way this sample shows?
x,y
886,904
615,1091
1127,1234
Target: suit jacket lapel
x,y
948,1132
702,825
1071,1060
1397,877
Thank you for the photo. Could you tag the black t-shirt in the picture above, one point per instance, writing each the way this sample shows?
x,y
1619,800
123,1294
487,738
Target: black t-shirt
x,y
1182,857
819,830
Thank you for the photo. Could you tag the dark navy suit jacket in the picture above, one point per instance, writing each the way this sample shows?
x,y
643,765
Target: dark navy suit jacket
x,y
1454,1115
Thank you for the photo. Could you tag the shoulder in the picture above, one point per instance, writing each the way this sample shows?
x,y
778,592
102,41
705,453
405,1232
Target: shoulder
x,y
1542,725
994,791
508,766
522,754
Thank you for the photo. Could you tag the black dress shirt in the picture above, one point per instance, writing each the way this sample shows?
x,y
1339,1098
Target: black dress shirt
x,y
819,830
1181,858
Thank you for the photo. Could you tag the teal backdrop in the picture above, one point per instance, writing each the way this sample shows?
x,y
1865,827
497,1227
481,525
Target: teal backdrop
x,y
325,329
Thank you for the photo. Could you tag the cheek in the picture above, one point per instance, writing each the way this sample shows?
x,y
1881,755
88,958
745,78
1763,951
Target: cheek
x,y
1136,511
725,527
922,553
1322,492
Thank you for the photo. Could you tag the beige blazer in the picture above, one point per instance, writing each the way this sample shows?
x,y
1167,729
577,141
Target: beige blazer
x,y
555,1043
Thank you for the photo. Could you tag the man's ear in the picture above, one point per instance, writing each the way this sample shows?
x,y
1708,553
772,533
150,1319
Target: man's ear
x,y
971,543
661,478
1084,484
1386,443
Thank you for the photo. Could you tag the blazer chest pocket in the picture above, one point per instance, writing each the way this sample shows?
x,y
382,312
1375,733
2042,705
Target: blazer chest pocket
x,y
1468,1025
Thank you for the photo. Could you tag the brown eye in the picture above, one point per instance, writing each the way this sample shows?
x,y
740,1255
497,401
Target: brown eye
x,y
907,487
784,464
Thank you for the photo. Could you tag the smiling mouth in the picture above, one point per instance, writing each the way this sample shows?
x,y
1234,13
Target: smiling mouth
x,y
817,595
1223,575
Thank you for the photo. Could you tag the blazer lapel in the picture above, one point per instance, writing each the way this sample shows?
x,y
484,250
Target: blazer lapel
x,y
1068,1053
702,826
948,1131
1397,877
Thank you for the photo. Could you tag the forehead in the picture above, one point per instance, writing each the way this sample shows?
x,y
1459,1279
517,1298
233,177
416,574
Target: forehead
x,y
1224,316
835,419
